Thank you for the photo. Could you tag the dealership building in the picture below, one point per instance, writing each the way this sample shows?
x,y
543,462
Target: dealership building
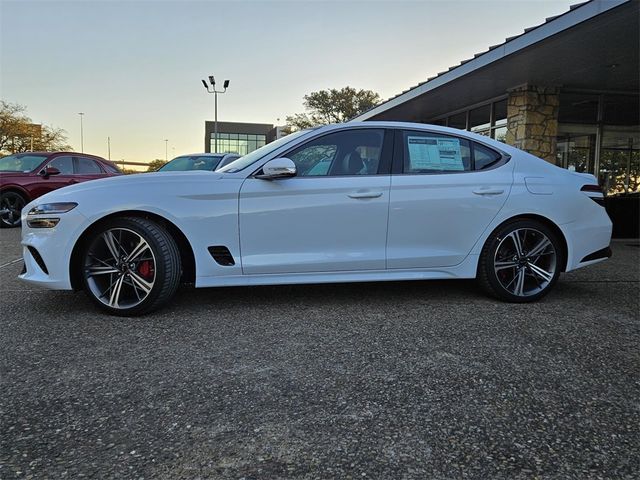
x,y
565,90
239,137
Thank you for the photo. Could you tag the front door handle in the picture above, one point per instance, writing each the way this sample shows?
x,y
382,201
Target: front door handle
x,y
488,191
365,195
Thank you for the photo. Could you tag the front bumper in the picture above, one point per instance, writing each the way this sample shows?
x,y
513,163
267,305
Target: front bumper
x,y
47,251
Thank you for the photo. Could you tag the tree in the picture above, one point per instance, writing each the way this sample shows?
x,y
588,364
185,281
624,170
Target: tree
x,y
19,134
155,165
333,106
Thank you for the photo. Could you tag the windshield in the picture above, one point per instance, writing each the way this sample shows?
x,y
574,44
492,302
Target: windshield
x,y
21,162
248,159
193,162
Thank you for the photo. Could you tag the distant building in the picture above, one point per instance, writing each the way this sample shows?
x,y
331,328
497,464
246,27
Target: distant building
x,y
238,137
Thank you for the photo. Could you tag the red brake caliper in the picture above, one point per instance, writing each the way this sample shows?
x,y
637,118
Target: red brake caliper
x,y
145,268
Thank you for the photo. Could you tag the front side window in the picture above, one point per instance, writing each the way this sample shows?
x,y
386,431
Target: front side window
x,y
86,166
350,152
64,164
426,152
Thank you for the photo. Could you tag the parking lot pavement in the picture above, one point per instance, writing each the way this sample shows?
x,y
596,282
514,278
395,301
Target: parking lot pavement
x,y
397,380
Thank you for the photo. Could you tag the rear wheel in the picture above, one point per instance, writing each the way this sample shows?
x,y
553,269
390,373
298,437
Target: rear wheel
x,y
520,262
11,205
130,266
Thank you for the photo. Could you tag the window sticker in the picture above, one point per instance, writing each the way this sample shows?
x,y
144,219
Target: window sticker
x,y
434,153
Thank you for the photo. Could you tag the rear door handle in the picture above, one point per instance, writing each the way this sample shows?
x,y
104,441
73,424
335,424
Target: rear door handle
x,y
488,191
365,194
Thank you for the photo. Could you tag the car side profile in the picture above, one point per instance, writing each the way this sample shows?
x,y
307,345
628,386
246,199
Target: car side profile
x,y
27,176
198,161
352,202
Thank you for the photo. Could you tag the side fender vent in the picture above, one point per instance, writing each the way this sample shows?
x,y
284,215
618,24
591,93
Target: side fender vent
x,y
222,255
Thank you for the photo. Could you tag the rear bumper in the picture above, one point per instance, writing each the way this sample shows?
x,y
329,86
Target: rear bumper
x,y
588,240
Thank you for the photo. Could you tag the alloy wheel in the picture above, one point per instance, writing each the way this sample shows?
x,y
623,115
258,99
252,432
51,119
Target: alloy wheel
x,y
120,268
525,262
11,205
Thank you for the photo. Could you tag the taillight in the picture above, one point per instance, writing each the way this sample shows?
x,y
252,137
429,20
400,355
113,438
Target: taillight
x,y
598,198
591,188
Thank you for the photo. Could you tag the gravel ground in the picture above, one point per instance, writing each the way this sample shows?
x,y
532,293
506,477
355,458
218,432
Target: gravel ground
x,y
398,380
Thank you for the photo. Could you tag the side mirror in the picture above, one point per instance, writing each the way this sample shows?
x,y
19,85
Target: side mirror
x,y
50,171
278,168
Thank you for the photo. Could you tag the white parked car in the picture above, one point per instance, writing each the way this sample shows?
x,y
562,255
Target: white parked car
x,y
198,161
342,203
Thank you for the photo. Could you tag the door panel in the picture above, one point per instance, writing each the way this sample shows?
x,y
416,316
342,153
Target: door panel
x,y
53,182
314,224
434,220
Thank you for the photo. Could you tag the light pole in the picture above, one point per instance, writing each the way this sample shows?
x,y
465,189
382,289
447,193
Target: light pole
x,y
215,92
81,133
166,146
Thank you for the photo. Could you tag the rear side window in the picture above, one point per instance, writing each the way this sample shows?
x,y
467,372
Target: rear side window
x,y
426,152
86,166
64,164
484,157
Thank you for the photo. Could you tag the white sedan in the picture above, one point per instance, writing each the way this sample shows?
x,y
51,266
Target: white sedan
x,y
354,202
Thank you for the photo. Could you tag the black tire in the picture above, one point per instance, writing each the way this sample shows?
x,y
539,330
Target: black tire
x,y
12,203
524,277
117,282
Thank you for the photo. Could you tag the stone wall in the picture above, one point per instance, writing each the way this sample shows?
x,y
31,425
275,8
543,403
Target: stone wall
x,y
532,120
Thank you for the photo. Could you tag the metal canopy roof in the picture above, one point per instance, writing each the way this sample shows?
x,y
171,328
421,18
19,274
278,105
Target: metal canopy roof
x,y
593,46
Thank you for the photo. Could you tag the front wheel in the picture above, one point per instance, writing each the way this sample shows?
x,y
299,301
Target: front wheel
x,y
520,262
130,266
11,205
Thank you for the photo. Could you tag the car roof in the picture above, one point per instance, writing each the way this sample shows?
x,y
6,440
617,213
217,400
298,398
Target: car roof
x,y
476,137
201,155
59,153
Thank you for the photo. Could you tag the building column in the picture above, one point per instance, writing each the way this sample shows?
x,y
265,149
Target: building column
x,y
532,120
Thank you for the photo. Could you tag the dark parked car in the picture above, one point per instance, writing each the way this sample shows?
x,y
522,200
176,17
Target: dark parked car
x,y
199,161
26,176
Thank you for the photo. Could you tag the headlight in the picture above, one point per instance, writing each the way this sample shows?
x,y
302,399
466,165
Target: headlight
x,y
50,208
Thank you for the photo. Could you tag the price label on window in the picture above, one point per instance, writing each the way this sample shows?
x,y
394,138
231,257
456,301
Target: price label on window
x,y
434,153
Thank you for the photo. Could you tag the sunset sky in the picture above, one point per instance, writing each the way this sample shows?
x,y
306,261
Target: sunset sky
x,y
134,67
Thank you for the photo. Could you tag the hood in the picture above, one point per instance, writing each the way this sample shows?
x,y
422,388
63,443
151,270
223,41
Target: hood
x,y
106,186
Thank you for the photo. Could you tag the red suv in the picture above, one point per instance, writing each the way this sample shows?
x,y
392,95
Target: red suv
x,y
26,176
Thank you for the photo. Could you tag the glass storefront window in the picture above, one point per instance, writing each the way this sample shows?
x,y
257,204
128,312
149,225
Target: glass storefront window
x,y
620,160
500,134
500,113
576,151
480,119
458,121
240,143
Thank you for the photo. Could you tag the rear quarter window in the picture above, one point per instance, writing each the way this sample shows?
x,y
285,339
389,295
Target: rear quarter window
x,y
484,157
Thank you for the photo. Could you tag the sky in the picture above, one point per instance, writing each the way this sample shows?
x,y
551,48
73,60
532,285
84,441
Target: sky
x,y
134,67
